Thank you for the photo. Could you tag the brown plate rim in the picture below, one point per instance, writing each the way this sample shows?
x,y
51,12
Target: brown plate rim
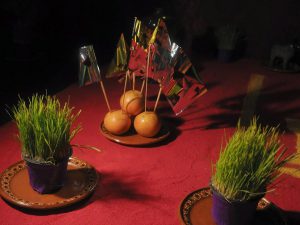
x,y
188,202
278,70
121,139
7,176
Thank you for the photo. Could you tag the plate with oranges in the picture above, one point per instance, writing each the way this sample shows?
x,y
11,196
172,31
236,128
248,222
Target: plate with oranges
x,y
130,125
132,138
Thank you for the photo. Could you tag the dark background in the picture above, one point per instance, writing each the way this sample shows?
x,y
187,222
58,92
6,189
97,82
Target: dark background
x,y
40,39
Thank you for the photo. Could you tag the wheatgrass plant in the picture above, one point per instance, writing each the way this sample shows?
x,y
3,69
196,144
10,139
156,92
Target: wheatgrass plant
x,y
249,162
45,128
228,37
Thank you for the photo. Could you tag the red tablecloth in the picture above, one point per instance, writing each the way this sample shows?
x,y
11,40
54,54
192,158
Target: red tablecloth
x,y
145,185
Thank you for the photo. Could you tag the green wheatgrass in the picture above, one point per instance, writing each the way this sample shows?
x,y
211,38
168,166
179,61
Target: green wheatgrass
x,y
45,128
249,162
228,36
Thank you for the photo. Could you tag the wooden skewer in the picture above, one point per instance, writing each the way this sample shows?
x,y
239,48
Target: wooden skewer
x,y
105,96
126,79
147,74
125,85
142,88
158,96
133,81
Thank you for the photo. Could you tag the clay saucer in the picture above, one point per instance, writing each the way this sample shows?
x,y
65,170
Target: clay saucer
x,y
131,138
15,188
195,209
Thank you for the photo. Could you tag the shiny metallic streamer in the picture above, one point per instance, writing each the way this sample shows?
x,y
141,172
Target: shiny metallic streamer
x,y
89,71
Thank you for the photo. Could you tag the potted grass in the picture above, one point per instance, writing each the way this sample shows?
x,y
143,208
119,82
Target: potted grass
x,y
247,166
45,131
228,39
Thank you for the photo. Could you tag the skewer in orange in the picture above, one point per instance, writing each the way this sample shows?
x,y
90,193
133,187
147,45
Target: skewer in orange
x,y
147,123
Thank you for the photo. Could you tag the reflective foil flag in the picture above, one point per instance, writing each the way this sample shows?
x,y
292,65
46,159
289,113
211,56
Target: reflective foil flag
x,y
161,63
143,39
138,49
169,65
118,65
89,71
184,85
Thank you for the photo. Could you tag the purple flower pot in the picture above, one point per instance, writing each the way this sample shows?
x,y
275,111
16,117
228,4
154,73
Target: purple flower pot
x,y
47,178
225,55
233,213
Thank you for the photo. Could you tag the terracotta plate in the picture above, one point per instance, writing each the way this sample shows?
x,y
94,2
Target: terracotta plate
x,y
294,68
195,209
132,138
15,188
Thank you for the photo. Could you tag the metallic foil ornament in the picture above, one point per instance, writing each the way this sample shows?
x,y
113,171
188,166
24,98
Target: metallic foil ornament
x,y
89,71
169,65
119,64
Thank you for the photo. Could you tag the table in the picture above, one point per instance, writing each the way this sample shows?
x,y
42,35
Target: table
x,y
145,185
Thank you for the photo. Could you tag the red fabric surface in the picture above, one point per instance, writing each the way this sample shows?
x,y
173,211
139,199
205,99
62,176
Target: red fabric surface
x,y
145,185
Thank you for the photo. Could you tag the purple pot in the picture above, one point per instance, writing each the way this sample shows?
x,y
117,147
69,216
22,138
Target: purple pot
x,y
225,55
47,178
233,213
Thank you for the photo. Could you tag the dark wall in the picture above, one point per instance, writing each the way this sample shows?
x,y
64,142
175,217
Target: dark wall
x,y
264,22
40,39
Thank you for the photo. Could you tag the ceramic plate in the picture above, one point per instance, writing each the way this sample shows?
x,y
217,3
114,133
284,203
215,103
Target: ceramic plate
x,y
132,138
195,209
15,188
292,69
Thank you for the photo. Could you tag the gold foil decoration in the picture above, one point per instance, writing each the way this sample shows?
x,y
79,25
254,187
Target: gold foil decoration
x,y
119,64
